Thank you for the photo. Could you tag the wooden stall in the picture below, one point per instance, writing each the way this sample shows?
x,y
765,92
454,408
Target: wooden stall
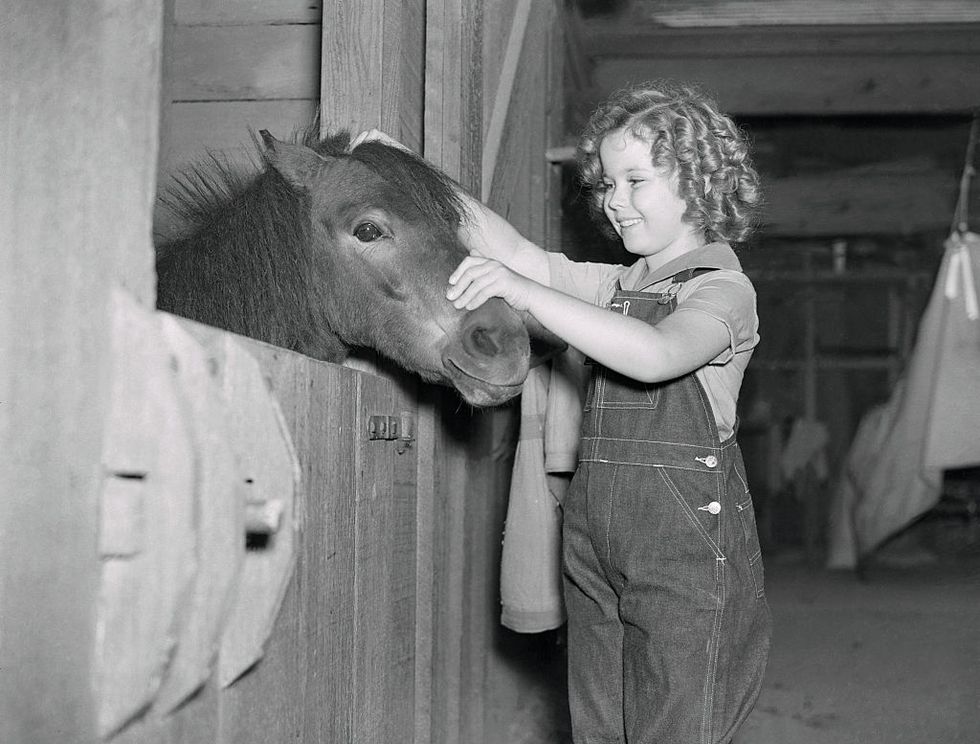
x,y
139,449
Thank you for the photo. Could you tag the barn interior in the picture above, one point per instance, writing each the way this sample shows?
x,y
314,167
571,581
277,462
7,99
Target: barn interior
x,y
382,613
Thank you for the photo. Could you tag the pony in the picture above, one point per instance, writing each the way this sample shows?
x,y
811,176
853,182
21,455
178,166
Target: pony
x,y
325,250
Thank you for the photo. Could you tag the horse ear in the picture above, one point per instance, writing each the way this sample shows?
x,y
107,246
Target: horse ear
x,y
298,164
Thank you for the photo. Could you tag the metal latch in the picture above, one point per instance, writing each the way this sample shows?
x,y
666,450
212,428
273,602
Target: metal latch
x,y
393,428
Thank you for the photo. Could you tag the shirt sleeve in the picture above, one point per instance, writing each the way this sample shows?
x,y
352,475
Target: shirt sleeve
x,y
729,297
592,282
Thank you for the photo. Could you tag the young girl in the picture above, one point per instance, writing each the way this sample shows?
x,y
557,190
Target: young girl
x,y
668,627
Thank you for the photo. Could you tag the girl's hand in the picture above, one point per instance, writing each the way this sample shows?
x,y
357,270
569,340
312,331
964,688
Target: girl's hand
x,y
477,279
376,135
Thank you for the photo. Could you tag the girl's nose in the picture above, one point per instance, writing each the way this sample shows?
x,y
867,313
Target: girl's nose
x,y
615,200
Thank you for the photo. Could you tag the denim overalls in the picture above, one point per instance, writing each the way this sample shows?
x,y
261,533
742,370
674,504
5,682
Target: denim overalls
x,y
668,630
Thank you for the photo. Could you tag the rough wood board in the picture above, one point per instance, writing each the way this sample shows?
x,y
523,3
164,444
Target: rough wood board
x,y
846,203
245,63
80,90
840,84
219,520
229,12
384,588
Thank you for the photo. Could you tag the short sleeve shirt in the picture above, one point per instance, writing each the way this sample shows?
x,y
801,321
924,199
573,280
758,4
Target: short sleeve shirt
x,y
725,294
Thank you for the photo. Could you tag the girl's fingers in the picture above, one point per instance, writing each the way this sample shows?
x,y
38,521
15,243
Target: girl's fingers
x,y
465,265
476,286
376,135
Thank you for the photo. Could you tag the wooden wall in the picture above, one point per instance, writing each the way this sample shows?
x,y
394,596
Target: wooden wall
x,y
388,625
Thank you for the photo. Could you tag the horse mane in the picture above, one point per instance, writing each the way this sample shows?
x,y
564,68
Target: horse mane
x,y
240,257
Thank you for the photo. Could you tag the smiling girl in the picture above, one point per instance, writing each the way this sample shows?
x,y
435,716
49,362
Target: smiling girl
x,y
668,626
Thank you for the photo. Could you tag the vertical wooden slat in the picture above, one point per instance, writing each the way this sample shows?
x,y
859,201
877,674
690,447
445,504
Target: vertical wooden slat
x,y
302,689
384,584
371,67
505,88
79,122
453,89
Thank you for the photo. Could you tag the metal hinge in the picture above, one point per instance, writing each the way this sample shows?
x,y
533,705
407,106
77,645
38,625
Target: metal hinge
x,y
393,428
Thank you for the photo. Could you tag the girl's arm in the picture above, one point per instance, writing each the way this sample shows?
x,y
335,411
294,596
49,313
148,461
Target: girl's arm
x,y
679,344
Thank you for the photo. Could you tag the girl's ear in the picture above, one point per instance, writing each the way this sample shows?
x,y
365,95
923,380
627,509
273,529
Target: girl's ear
x,y
298,164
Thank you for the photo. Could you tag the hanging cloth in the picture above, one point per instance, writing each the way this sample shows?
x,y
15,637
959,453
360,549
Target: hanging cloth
x,y
953,434
894,471
547,452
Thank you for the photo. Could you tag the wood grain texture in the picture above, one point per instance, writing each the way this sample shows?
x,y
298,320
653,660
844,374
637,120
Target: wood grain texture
x,y
234,12
245,62
859,203
838,84
303,687
80,86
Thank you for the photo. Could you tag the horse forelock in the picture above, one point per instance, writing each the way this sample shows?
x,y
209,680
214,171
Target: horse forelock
x,y
430,190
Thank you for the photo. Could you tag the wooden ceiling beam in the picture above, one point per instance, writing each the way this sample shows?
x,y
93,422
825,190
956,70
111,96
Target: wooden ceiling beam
x,y
820,86
599,39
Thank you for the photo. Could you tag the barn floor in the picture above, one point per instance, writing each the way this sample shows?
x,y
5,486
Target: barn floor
x,y
891,657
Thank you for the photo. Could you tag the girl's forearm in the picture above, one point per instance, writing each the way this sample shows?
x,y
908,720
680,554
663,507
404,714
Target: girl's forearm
x,y
632,347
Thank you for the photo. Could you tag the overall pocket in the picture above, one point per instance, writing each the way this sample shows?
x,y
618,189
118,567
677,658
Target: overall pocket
x,y
616,391
695,498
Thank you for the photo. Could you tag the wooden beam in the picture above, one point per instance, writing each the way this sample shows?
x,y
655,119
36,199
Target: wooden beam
x,y
245,63
682,13
505,87
810,85
601,38
237,12
848,203
80,90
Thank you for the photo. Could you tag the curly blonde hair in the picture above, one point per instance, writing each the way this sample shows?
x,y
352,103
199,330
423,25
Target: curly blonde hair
x,y
689,138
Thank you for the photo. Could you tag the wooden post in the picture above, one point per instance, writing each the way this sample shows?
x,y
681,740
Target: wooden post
x,y
80,91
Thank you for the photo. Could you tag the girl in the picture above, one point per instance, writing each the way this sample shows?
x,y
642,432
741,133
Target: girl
x,y
668,627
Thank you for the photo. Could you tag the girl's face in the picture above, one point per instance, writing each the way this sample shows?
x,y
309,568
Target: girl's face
x,y
641,201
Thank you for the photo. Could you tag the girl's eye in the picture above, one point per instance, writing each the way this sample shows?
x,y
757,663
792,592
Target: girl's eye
x,y
367,232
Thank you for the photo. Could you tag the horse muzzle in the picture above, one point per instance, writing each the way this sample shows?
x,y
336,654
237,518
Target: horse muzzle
x,y
489,358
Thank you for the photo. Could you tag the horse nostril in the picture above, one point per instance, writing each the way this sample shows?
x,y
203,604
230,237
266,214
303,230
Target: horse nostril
x,y
483,341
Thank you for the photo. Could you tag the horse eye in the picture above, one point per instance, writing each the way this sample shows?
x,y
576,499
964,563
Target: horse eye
x,y
367,232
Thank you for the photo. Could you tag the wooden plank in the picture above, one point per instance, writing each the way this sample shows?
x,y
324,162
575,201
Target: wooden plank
x,y
454,92
598,38
498,20
674,13
844,203
80,91
231,12
502,99
841,84
384,588
303,687
223,128
245,63
518,189
450,550
426,429
361,47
